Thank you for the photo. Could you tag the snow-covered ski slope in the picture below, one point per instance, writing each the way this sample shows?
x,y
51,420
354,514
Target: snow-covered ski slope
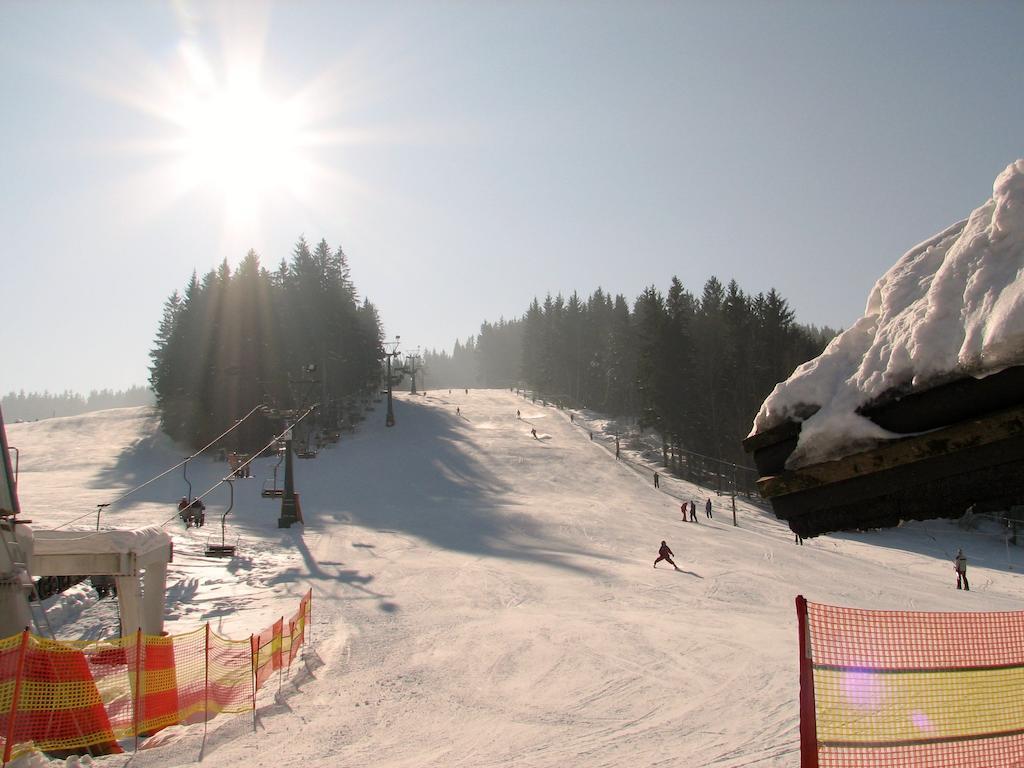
x,y
484,598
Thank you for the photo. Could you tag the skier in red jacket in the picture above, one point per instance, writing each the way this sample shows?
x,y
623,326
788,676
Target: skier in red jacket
x,y
664,553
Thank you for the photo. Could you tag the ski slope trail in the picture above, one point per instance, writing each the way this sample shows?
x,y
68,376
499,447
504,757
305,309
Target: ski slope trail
x,y
484,597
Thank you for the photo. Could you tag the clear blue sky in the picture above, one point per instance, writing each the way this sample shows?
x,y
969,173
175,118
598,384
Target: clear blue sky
x,y
471,155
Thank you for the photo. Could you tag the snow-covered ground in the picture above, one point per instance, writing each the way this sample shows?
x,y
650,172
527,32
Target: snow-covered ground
x,y
484,598
951,306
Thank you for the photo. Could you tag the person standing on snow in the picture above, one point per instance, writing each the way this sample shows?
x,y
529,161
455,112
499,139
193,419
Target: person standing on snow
x,y
664,553
656,480
707,508
182,511
693,511
960,564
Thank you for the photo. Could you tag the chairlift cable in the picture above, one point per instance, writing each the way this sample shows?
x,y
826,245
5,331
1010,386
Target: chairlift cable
x,y
176,466
252,458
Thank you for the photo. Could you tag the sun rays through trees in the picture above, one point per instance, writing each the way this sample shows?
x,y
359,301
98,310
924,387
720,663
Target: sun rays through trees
x,y
235,339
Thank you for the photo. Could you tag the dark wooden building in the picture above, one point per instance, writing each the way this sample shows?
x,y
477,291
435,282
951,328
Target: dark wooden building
x,y
962,445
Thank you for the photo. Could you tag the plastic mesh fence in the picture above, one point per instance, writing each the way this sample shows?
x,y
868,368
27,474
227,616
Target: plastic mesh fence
x,y
66,697
914,689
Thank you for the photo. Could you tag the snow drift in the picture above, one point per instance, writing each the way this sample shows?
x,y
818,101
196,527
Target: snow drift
x,y
951,307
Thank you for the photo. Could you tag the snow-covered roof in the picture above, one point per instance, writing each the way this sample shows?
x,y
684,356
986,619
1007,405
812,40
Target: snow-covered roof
x,y
140,541
952,306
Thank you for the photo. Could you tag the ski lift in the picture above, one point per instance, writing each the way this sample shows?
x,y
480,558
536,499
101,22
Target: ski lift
x,y
223,549
273,492
191,511
192,514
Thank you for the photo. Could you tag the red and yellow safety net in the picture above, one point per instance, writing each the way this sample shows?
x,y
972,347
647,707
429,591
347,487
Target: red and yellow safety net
x,y
64,697
909,689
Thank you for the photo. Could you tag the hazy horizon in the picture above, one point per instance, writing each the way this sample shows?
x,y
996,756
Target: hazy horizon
x,y
470,157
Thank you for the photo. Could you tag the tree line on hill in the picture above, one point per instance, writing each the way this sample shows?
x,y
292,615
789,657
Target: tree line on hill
x,y
694,368
286,338
31,406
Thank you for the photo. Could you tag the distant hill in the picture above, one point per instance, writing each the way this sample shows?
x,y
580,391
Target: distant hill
x,y
19,406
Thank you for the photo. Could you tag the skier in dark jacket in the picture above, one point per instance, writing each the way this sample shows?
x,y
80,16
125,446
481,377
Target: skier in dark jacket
x,y
960,566
656,479
693,511
707,508
664,553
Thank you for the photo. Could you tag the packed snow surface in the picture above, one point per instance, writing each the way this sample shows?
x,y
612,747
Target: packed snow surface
x,y
484,598
951,306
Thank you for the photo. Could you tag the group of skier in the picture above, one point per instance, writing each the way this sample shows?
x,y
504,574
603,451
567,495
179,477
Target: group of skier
x,y
192,513
240,465
691,508
664,553
689,513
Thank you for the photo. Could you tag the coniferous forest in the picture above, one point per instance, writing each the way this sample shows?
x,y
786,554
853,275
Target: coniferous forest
x,y
694,368
286,338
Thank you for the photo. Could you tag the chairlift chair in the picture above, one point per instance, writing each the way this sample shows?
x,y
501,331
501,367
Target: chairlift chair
x,y
223,549
305,452
270,489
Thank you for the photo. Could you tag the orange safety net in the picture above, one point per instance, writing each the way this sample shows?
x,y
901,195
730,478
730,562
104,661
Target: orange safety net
x,y
277,646
72,696
909,689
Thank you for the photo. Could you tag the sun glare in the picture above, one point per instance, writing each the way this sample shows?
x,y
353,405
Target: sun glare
x,y
235,138
241,142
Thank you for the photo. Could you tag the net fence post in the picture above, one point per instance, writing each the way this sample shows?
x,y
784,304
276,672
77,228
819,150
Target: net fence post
x,y
138,684
279,650
253,653
15,695
808,725
206,680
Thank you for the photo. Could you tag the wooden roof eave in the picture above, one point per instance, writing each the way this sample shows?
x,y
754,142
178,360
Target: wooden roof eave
x,y
962,436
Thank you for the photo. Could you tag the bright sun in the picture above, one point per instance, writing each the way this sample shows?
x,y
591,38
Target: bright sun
x,y
234,137
237,140
242,142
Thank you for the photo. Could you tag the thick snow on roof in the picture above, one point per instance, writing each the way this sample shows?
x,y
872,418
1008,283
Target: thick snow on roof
x,y
951,306
140,541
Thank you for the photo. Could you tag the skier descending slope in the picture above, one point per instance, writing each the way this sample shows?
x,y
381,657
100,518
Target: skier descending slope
x,y
664,553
